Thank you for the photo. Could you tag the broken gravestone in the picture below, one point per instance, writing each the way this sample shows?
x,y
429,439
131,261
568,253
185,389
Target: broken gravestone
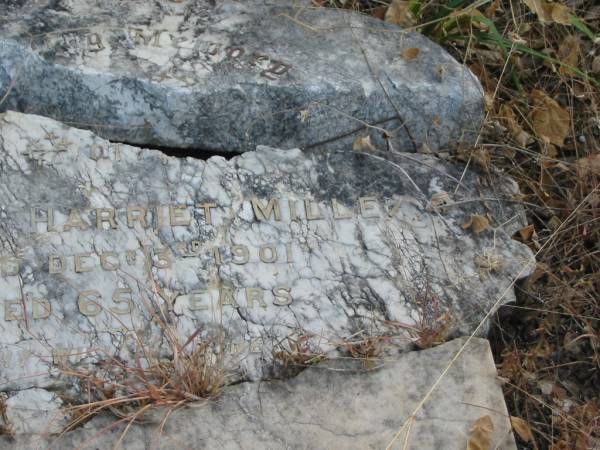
x,y
330,405
109,252
230,75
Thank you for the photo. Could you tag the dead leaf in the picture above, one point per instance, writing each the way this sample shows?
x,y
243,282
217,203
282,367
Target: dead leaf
x,y
550,12
510,121
363,143
477,223
526,233
550,121
439,199
568,53
410,53
481,434
399,13
521,428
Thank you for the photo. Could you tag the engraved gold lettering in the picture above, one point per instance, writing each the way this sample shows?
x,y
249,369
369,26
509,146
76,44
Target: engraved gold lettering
x,y
12,310
267,253
293,212
41,308
105,215
312,210
11,266
255,295
48,219
276,70
79,263
227,297
195,298
75,221
368,207
179,216
257,59
57,264
337,214
88,303
289,253
263,212
106,264
282,296
234,52
241,255
122,296
163,258
217,255
95,42
136,214
207,213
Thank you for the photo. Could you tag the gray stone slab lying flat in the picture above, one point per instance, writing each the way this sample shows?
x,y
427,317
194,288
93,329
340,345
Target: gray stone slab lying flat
x,y
228,75
323,408
104,247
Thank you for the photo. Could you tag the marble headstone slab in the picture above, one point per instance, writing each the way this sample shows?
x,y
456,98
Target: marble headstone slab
x,y
105,246
322,409
228,75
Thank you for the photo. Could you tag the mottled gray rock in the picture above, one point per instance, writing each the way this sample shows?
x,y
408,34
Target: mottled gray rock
x,y
105,248
327,409
227,75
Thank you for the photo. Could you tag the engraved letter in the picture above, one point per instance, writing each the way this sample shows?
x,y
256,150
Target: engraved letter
x,y
227,297
336,211
179,216
10,312
265,212
105,215
41,308
367,207
106,264
74,221
163,260
311,214
268,253
122,296
276,70
136,214
95,42
241,252
48,220
282,296
207,207
195,299
79,263
11,266
57,264
87,302
255,295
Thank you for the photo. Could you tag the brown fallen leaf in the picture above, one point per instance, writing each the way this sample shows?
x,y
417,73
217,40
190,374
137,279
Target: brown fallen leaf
x,y
568,53
410,53
399,13
521,428
550,121
510,121
477,223
596,64
526,233
363,143
550,12
481,434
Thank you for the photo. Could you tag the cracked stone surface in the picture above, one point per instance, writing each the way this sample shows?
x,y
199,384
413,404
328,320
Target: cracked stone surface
x,y
324,409
106,248
230,75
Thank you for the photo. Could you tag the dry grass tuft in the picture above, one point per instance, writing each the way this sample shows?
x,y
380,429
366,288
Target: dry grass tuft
x,y
194,372
539,63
